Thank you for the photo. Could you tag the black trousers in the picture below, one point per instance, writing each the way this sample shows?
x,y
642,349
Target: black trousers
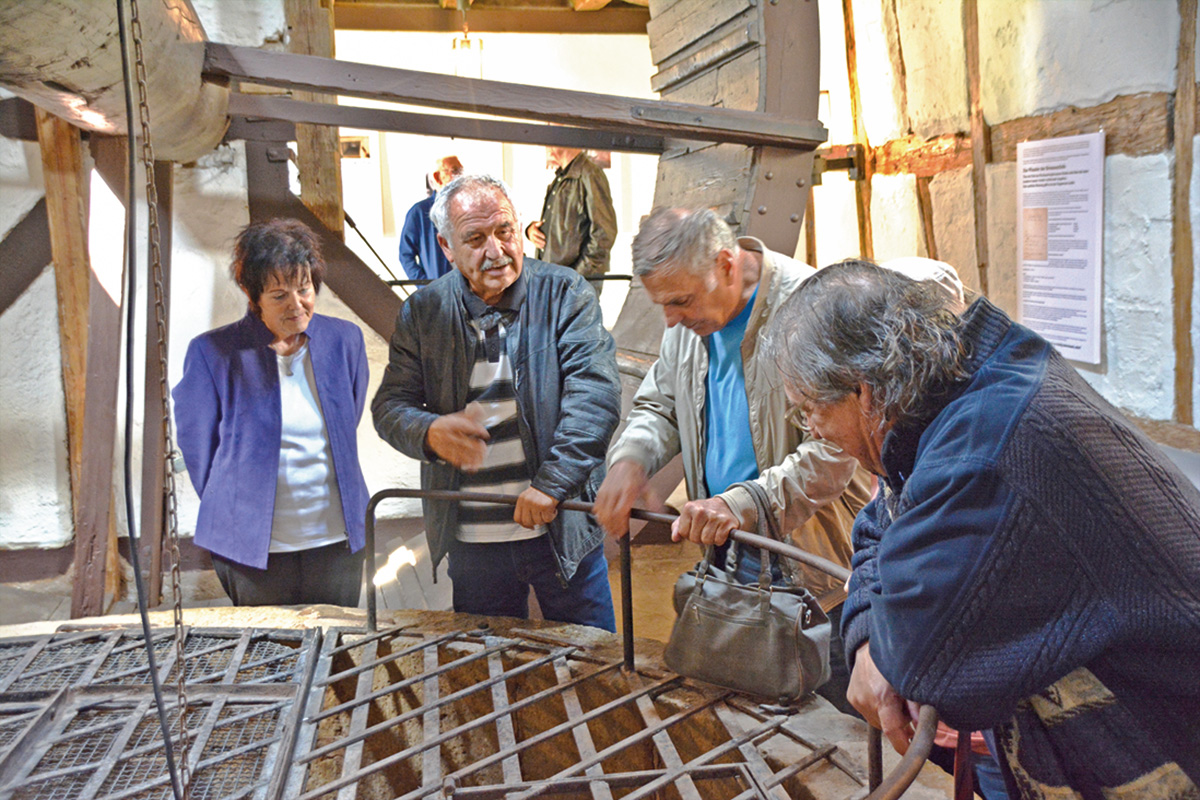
x,y
329,574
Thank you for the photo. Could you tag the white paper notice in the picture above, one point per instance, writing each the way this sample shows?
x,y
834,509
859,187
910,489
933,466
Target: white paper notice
x,y
1060,222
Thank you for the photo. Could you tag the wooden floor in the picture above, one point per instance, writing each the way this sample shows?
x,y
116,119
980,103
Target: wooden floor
x,y
656,565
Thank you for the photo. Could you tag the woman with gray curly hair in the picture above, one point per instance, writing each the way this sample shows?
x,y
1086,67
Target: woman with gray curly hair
x,y
1031,567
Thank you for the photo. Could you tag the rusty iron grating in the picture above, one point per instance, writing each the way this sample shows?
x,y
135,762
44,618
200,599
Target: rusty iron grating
x,y
78,721
398,714
47,663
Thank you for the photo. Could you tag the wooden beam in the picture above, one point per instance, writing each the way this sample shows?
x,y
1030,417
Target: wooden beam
x,y
1171,434
24,252
154,428
17,120
356,284
581,109
318,154
66,182
925,211
923,158
980,151
1133,125
380,15
89,333
1182,258
259,106
65,56
862,187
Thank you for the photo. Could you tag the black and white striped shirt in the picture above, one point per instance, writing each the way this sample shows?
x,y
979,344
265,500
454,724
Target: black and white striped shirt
x,y
504,469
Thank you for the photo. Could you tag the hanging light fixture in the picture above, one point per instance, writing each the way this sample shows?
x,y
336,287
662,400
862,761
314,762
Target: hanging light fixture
x,y
468,52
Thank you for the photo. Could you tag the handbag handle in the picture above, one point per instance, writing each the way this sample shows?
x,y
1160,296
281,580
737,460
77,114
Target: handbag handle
x,y
767,521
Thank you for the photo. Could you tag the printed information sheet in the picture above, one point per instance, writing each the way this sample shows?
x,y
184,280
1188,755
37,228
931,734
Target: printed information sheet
x,y
1060,219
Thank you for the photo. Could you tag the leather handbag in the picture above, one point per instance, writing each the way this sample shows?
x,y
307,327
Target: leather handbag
x,y
764,640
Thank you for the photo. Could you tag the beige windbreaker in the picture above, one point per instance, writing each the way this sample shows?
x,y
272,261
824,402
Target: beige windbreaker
x,y
815,488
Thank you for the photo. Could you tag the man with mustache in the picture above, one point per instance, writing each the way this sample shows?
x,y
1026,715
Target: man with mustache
x,y
502,379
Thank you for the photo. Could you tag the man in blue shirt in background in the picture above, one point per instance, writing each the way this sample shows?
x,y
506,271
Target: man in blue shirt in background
x,y
420,254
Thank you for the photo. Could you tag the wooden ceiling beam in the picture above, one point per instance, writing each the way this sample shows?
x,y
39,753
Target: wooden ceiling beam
x,y
565,107
380,15
252,107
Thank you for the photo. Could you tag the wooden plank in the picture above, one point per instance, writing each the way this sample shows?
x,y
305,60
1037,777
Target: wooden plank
x,y
154,428
318,154
789,85
923,158
736,36
89,336
17,119
732,84
382,15
24,252
925,211
583,737
95,530
713,176
862,187
980,150
1182,256
1171,434
676,27
487,130
609,112
359,719
1134,125
506,733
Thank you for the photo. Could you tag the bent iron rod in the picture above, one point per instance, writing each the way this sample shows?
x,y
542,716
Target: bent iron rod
x,y
890,788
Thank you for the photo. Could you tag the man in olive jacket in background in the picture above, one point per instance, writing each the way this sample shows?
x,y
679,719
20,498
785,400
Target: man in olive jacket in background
x,y
578,224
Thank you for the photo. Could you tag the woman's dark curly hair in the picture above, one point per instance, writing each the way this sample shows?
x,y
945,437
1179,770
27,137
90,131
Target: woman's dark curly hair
x,y
855,322
285,248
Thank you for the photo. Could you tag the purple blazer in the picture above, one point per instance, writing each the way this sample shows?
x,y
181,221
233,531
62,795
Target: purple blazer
x,y
228,422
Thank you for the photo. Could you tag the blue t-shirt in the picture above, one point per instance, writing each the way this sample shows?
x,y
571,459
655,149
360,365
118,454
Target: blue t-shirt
x,y
729,452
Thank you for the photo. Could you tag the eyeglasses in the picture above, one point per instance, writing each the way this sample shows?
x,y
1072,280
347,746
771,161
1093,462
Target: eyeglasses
x,y
796,417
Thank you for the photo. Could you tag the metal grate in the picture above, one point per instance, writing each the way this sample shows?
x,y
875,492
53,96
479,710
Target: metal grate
x,y
401,715
77,717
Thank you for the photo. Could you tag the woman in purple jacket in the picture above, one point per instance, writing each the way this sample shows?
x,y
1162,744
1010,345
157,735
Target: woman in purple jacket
x,y
267,413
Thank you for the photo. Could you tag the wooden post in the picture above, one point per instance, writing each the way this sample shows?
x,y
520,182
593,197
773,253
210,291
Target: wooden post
x,y
1182,259
154,427
318,153
925,209
89,333
980,137
862,187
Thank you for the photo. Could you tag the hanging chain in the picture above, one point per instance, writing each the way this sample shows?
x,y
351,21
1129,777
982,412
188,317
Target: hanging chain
x,y
167,456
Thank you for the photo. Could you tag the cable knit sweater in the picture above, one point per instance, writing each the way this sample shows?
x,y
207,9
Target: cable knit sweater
x,y
1033,566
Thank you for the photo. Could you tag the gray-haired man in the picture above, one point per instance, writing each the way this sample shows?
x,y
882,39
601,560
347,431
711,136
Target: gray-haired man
x,y
712,399
502,379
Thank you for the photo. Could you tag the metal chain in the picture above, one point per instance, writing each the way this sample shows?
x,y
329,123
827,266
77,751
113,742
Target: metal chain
x,y
160,318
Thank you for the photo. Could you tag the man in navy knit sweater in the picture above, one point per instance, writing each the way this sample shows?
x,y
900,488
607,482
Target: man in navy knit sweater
x,y
1031,566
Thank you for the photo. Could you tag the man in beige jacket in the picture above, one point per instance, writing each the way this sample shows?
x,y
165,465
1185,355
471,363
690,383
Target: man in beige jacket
x,y
710,398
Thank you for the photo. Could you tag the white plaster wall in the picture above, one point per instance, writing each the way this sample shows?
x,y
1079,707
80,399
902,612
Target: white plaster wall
x,y
895,219
34,482
1136,372
1041,56
401,161
954,223
935,69
34,475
